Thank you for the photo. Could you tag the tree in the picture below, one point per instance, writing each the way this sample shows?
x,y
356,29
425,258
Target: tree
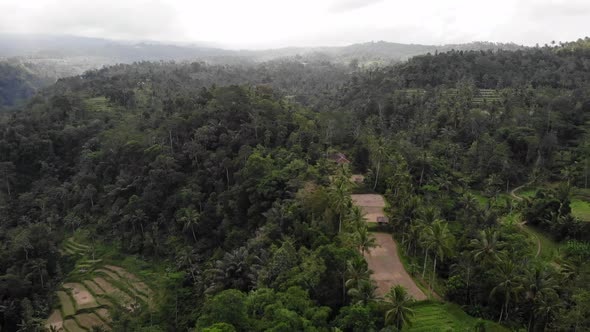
x,y
364,240
509,284
7,176
340,197
190,218
399,311
439,239
487,248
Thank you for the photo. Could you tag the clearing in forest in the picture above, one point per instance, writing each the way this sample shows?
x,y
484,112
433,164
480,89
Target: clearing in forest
x,y
371,205
388,269
384,260
86,301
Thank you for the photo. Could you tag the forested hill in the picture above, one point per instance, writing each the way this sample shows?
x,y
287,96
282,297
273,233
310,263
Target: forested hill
x,y
213,182
18,83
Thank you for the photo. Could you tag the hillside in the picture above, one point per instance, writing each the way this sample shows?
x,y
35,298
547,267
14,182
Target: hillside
x,y
164,196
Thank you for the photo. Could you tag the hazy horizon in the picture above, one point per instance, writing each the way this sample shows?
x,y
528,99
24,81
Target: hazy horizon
x,y
265,24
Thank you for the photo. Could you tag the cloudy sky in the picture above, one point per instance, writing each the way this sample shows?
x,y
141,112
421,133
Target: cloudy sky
x,y
278,23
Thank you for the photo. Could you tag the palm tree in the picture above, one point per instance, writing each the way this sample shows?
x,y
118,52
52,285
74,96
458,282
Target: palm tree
x,y
356,270
356,218
440,241
412,235
190,218
509,284
540,284
487,248
340,199
364,292
399,312
379,153
364,240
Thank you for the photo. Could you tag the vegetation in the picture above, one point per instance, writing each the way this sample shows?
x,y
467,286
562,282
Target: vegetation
x,y
212,188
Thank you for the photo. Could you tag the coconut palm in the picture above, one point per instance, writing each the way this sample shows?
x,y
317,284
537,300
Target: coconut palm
x,y
364,292
540,283
440,241
509,284
190,218
487,248
399,312
356,270
340,200
364,240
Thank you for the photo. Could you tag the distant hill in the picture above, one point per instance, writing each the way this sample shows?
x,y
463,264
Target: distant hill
x,y
95,52
31,62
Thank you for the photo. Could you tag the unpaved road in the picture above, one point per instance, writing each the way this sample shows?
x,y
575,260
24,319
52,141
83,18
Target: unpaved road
x,y
384,260
388,269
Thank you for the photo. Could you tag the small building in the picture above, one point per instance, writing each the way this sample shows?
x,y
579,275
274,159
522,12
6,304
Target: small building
x,y
382,220
339,158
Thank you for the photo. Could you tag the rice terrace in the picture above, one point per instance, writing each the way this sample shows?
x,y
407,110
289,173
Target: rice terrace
x,y
92,290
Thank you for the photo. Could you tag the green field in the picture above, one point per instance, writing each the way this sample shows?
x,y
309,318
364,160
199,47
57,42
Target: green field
x,y
580,209
434,316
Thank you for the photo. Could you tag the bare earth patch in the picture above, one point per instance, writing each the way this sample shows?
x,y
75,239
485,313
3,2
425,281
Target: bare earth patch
x,y
368,200
55,320
88,320
357,178
104,314
72,326
81,295
388,269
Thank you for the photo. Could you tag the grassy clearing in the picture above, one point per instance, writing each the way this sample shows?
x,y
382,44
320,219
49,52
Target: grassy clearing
x,y
98,104
434,316
581,209
549,248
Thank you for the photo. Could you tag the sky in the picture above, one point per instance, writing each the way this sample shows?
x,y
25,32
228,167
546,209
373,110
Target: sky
x,y
257,24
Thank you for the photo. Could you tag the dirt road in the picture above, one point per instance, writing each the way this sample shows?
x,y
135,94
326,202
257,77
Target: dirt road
x,y
388,269
384,260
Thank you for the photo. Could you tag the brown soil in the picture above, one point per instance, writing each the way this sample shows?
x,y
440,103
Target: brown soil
x,y
55,320
368,200
72,326
104,314
88,320
81,295
357,178
388,269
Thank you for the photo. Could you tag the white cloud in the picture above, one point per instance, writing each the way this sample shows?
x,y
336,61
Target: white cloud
x,y
275,23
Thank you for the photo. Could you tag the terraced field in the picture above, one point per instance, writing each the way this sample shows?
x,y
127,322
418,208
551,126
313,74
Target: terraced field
x,y
95,289
446,317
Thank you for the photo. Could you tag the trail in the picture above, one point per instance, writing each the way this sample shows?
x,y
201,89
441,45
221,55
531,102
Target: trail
x,y
383,260
522,225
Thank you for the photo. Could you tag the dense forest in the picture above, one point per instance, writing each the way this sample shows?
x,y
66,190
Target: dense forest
x,y
217,183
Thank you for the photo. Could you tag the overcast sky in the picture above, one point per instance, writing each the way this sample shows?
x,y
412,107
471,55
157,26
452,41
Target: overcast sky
x,y
278,23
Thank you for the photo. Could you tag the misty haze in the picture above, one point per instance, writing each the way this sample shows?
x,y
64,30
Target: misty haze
x,y
318,166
